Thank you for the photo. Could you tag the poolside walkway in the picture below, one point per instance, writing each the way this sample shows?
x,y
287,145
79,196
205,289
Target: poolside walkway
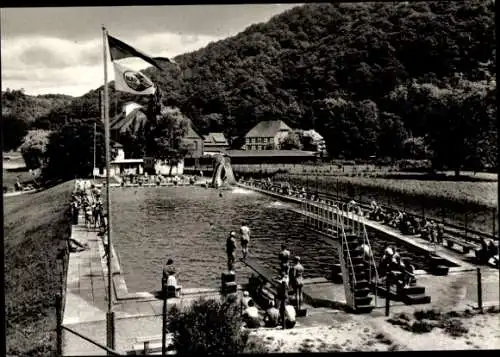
x,y
136,315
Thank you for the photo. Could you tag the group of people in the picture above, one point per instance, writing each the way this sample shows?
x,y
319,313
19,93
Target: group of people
x,y
90,202
272,317
87,197
231,245
157,179
400,272
289,275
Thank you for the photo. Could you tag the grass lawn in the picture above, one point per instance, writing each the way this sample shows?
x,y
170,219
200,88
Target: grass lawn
x,y
36,227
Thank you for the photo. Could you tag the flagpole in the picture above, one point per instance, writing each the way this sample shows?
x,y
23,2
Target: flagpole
x,y
110,333
95,129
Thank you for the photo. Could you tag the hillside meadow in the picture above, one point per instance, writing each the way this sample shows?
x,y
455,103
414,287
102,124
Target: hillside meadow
x,y
36,227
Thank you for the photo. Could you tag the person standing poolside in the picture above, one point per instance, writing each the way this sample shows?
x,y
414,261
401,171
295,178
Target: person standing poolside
x,y
245,239
298,281
284,257
230,250
168,269
283,296
103,233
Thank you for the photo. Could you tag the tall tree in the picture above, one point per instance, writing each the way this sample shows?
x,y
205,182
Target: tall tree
x,y
291,142
13,132
461,118
34,148
165,136
70,151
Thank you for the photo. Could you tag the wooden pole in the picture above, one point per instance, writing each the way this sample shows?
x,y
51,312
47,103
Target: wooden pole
x,y
479,290
494,221
387,296
466,226
109,315
59,324
95,129
164,324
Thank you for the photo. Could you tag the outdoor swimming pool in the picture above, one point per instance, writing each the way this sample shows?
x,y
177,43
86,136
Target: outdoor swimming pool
x,y
191,224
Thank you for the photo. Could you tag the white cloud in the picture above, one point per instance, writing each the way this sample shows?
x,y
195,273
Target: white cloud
x,y
53,65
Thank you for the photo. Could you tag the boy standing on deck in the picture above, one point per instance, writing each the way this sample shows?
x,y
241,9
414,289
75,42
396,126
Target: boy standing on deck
x,y
284,257
298,281
245,239
230,249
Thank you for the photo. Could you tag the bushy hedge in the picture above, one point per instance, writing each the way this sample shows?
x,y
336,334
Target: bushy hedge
x,y
208,327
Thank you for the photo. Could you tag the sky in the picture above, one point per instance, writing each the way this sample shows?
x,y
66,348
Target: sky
x,y
59,50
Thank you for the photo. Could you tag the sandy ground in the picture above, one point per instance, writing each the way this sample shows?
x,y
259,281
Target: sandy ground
x,y
363,333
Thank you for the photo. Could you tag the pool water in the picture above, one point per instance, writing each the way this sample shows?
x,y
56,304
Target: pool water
x,y
191,224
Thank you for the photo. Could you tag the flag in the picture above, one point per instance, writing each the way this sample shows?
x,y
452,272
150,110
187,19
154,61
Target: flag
x,y
120,50
128,80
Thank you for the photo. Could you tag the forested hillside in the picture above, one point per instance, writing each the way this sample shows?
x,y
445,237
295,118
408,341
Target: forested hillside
x,y
28,107
20,111
387,79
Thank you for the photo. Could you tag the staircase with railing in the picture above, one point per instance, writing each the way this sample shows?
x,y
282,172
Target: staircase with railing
x,y
358,270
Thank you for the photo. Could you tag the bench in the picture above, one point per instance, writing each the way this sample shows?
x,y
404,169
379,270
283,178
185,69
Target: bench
x,y
466,246
150,344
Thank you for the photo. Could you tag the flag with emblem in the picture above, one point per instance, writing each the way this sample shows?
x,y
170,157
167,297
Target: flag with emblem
x,y
130,81
126,79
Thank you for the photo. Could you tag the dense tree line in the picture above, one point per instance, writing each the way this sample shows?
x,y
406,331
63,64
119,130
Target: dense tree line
x,y
385,79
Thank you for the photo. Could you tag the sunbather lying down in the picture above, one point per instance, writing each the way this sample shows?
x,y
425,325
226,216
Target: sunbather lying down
x,y
76,246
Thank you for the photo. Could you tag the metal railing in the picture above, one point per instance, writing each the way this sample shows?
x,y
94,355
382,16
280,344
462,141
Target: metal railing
x,y
348,284
371,261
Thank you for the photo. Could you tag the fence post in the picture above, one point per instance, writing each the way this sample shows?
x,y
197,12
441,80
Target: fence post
x,y
387,296
494,221
479,290
110,330
164,318
466,223
337,189
59,324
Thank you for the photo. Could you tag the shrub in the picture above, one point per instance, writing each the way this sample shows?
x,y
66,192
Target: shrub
x,y
208,327
421,327
455,327
432,314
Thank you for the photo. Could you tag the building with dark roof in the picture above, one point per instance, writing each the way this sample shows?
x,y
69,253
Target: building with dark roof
x,y
132,117
266,135
215,143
